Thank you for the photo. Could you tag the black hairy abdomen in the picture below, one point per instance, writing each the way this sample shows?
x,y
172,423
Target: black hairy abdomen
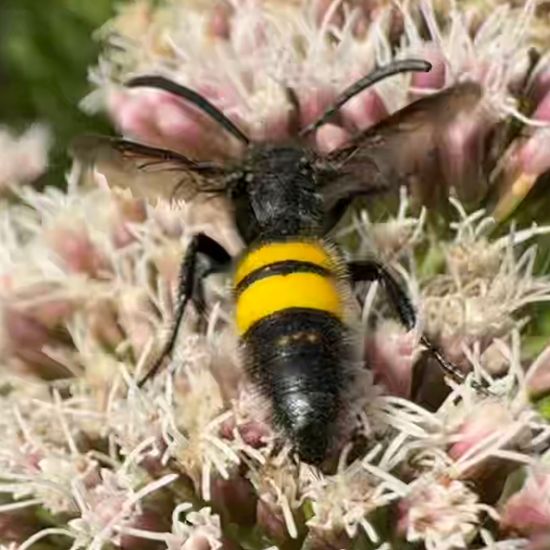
x,y
298,358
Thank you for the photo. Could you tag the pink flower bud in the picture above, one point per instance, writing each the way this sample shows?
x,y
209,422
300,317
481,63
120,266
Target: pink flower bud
x,y
541,84
313,103
224,95
435,78
148,520
196,542
462,153
251,418
52,313
162,119
484,419
526,159
75,248
271,521
528,510
23,330
235,499
183,127
132,113
219,23
23,158
542,112
17,526
177,121
364,110
534,154
25,338
439,509
538,378
330,137
391,352
254,433
396,23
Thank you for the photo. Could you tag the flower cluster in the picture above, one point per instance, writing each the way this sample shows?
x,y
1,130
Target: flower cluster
x,y
273,67
83,314
88,287
23,158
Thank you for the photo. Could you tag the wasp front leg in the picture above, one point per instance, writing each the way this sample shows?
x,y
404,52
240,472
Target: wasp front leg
x,y
360,271
203,257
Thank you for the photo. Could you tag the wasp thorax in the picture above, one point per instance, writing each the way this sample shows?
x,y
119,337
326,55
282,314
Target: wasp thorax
x,y
282,190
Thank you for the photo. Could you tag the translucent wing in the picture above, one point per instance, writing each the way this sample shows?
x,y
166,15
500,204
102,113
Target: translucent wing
x,y
404,149
149,172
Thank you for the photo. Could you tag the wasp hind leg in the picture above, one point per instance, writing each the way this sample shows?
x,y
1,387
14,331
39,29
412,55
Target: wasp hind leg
x,y
203,257
373,271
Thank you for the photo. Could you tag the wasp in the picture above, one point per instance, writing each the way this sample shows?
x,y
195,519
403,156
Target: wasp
x,y
291,284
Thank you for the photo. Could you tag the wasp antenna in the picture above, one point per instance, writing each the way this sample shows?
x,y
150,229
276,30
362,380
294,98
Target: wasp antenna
x,y
193,97
395,67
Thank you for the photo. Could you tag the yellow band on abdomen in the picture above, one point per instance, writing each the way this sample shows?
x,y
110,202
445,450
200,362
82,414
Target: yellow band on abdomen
x,y
280,292
271,253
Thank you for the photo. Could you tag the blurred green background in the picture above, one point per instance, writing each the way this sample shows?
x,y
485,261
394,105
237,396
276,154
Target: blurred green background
x,y
46,47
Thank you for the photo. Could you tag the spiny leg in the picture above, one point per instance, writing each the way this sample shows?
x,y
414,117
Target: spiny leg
x,y
194,269
373,271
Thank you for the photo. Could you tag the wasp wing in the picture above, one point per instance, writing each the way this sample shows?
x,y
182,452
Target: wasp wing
x,y
403,149
149,172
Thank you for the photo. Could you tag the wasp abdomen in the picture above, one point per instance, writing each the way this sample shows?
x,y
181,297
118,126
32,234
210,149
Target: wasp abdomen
x,y
289,314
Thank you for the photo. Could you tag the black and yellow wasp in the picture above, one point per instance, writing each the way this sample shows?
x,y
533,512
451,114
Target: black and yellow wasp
x,y
290,285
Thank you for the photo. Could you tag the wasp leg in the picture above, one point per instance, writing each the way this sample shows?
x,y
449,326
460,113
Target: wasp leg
x,y
203,257
373,271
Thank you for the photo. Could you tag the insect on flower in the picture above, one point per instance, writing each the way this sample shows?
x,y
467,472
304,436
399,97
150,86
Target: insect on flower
x,y
291,283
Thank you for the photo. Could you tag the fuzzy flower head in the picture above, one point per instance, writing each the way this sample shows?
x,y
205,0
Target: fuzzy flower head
x,y
24,157
198,419
90,280
471,288
442,512
201,529
278,487
485,285
483,434
40,461
527,511
193,415
341,503
273,67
